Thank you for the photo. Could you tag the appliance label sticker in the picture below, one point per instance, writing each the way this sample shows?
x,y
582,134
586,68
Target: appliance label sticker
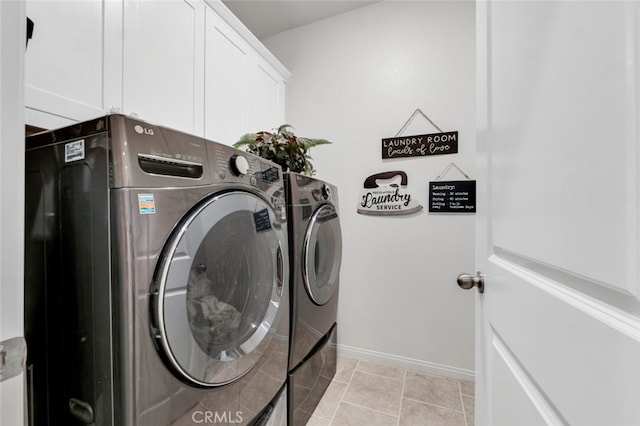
x,y
74,151
146,204
262,220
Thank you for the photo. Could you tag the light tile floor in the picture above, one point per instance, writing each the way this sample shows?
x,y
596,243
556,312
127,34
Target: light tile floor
x,y
363,393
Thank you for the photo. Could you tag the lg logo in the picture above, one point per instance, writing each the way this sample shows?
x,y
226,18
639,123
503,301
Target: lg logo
x,y
141,130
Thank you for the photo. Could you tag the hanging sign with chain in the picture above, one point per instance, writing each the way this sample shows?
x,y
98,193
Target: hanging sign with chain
x,y
452,196
419,145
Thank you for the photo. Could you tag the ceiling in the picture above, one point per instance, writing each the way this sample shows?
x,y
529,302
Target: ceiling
x,y
267,17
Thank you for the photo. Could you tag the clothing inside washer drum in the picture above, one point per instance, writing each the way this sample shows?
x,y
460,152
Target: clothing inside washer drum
x,y
214,323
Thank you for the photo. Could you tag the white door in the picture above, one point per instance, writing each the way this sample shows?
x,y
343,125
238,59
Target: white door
x,y
559,198
12,42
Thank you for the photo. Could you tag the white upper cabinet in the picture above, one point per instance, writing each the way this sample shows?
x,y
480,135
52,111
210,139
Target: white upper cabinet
x,y
66,79
227,59
186,64
243,92
163,70
266,104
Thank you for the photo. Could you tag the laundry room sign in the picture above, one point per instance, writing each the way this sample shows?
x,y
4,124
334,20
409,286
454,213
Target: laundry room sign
x,y
419,145
385,194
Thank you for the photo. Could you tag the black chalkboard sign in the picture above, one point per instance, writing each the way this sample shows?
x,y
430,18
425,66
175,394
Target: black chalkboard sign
x,y
454,196
420,145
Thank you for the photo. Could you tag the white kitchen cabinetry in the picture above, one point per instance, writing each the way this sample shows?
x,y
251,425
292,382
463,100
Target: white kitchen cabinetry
x,y
266,104
186,64
163,69
67,76
243,91
227,58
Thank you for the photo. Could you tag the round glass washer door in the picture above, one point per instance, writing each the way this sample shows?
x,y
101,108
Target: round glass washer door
x,y
322,254
220,283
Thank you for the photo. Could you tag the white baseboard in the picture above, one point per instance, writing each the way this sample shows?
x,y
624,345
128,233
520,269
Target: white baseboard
x,y
406,363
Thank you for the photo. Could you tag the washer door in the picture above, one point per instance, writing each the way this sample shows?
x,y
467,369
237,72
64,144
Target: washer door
x,y
322,254
218,292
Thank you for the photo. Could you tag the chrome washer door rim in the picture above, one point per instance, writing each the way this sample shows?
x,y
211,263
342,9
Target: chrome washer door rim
x,y
322,249
225,366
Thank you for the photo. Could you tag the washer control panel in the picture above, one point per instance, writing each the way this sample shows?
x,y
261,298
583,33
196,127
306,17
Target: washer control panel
x,y
230,165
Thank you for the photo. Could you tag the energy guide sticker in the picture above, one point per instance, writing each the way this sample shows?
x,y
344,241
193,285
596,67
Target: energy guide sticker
x,y
146,204
74,151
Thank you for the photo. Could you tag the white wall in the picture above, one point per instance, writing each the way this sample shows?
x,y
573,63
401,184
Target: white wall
x,y
356,78
12,42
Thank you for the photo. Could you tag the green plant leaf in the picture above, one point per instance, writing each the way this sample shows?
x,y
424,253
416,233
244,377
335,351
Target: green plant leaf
x,y
282,147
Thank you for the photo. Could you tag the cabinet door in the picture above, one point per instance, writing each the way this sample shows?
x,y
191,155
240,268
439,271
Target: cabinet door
x,y
65,76
243,91
163,62
227,89
266,104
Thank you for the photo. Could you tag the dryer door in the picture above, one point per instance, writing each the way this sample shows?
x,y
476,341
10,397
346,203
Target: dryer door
x,y
218,288
322,254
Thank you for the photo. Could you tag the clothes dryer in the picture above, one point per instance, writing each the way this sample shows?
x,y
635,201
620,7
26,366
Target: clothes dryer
x,y
156,278
316,254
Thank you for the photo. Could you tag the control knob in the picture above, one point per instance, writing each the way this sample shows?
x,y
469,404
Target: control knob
x,y
326,191
239,165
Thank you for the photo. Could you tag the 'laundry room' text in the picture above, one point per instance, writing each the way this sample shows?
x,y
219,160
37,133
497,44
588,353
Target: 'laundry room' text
x,y
420,145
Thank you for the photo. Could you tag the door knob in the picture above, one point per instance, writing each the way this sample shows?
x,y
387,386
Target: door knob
x,y
467,281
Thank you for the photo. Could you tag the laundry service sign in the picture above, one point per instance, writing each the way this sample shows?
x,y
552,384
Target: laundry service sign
x,y
385,194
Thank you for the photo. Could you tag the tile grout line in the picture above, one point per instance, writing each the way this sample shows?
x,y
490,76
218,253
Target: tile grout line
x,y
377,375
404,372
435,405
368,409
464,410
355,369
380,375
404,382
344,392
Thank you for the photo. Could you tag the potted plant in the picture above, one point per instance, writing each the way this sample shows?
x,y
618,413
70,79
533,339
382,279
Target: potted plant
x,y
283,148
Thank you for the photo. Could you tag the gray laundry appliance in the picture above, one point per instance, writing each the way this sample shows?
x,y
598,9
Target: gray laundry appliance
x,y
156,279
315,244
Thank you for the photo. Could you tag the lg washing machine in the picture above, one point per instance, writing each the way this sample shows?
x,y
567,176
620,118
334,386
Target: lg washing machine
x,y
156,279
316,254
